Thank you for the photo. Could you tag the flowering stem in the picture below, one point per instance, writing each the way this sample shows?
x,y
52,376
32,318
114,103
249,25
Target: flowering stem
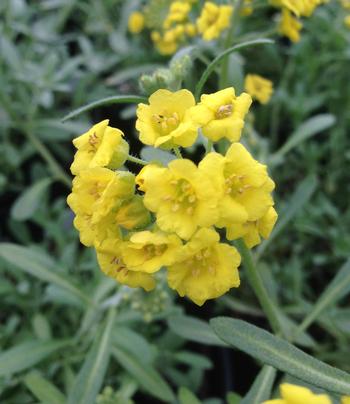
x,y
260,291
223,81
137,160
177,152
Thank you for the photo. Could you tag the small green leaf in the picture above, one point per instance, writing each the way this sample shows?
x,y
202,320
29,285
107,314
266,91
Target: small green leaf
x,y
27,354
187,397
233,398
262,386
117,99
90,377
28,202
193,359
299,198
144,374
337,289
280,354
43,390
151,154
194,329
36,264
311,127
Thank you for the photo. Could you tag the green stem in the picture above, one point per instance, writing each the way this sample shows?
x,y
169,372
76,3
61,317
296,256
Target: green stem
x,y
260,291
45,153
209,146
223,81
137,160
177,152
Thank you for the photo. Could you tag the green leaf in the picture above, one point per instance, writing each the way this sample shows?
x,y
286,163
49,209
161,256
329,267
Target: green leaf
x,y
311,127
28,202
33,263
233,398
280,354
187,397
299,198
211,67
194,329
144,374
151,154
193,359
337,289
90,377
27,354
117,99
43,390
262,386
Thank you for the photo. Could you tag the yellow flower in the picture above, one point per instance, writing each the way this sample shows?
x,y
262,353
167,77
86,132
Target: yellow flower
x,y
178,12
100,146
242,184
345,400
132,214
347,21
182,196
222,114
290,26
292,394
166,122
190,29
146,173
96,191
110,260
301,8
346,4
206,269
258,87
213,20
247,8
136,22
148,251
253,231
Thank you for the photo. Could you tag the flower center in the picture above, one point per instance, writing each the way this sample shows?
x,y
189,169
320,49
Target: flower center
x,y
93,142
152,250
224,111
184,198
203,261
234,185
166,122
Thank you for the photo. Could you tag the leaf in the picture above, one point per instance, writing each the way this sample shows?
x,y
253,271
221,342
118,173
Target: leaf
x,y
262,386
193,359
194,329
27,354
280,354
299,198
337,289
233,398
117,99
211,67
311,127
187,397
43,390
33,263
90,377
28,202
152,154
144,374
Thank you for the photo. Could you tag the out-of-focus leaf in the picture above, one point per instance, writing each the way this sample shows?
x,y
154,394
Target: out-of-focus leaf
x,y
193,359
43,390
280,354
27,354
187,397
28,202
262,386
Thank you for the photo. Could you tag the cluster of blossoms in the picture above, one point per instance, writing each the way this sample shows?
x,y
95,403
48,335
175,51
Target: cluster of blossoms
x,y
182,21
170,215
290,24
293,394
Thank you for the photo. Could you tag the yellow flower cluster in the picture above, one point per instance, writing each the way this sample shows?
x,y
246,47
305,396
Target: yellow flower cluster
x,y
290,24
168,215
180,22
293,394
258,87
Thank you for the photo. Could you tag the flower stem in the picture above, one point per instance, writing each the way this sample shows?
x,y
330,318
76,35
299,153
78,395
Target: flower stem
x,y
209,146
260,291
137,160
223,82
177,152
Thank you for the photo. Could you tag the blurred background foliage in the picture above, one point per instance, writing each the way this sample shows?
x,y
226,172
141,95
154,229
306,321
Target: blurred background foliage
x,y
68,333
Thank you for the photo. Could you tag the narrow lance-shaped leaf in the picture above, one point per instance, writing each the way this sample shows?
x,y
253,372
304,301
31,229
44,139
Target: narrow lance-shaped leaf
x,y
117,99
90,377
32,263
299,198
43,390
280,354
262,386
337,289
28,354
